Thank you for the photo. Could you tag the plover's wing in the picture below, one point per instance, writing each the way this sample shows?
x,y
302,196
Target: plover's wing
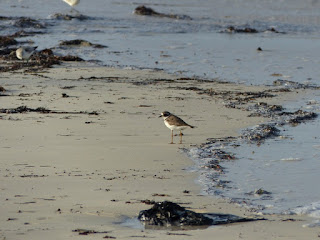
x,y
176,121
30,49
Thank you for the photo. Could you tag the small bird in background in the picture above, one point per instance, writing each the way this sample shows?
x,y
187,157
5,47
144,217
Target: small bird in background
x,y
72,3
174,123
24,53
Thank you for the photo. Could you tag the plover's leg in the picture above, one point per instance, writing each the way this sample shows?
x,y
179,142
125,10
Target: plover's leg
x,y
171,137
180,137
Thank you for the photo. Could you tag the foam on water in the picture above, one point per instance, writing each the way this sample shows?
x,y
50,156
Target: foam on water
x,y
312,209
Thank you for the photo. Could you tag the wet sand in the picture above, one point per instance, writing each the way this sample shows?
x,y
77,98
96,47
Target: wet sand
x,y
102,153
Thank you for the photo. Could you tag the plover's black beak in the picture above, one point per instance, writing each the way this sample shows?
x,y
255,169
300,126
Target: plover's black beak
x,y
160,116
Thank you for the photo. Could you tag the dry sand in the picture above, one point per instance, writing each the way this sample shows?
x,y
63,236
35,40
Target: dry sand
x,y
61,172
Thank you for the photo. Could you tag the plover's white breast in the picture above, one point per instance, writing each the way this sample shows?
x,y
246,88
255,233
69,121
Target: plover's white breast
x,y
19,53
174,127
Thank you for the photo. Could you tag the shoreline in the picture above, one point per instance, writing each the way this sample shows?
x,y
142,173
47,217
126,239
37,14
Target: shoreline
x,y
87,171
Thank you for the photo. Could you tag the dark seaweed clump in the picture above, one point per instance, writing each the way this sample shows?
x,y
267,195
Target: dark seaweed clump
x,y
25,22
69,17
242,30
293,85
262,109
39,60
233,29
169,214
7,41
146,11
80,43
260,132
25,109
299,116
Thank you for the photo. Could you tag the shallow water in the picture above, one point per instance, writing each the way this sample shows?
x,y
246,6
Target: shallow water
x,y
194,47
289,168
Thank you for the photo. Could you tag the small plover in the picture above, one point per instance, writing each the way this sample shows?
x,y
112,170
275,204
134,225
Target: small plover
x,y
72,3
24,53
174,123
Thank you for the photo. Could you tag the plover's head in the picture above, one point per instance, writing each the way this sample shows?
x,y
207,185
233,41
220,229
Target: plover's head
x,y
165,114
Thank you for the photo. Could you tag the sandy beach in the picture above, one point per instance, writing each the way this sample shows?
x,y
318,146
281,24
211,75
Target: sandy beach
x,y
103,153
